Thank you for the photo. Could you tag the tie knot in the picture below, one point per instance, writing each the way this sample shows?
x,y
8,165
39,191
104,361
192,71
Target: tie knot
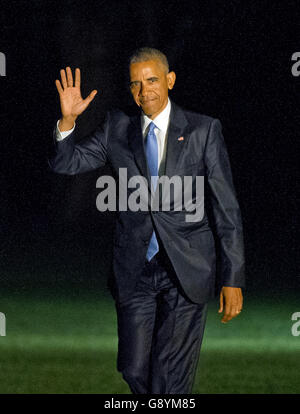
x,y
151,127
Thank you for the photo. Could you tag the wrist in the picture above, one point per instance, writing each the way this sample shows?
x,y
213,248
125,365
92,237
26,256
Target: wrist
x,y
66,123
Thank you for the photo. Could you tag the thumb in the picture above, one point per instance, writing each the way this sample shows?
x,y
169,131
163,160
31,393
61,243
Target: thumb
x,y
90,97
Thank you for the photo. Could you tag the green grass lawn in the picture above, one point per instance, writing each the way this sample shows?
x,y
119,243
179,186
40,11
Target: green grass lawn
x,y
67,343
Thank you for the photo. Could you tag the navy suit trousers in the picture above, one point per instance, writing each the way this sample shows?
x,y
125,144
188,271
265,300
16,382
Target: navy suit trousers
x,y
160,333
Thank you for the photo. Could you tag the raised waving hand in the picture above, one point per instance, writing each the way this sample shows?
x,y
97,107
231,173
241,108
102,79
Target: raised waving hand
x,y
71,102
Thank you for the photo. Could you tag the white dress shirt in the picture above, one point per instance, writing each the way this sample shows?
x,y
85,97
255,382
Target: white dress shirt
x,y
161,122
60,135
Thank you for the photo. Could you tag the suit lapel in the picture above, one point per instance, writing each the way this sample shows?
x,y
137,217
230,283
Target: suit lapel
x,y
178,127
137,145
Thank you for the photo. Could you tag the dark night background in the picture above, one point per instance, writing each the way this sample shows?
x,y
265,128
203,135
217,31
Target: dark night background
x,y
233,62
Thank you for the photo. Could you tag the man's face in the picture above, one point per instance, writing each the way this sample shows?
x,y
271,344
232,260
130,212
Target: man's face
x,y
149,85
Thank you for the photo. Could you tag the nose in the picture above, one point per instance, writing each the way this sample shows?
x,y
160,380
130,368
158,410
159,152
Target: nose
x,y
143,89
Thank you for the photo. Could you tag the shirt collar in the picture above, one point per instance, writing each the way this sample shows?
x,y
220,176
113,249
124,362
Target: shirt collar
x,y
161,120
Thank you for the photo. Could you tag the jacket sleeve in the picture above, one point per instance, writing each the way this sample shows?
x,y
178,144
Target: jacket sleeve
x,y
226,211
72,158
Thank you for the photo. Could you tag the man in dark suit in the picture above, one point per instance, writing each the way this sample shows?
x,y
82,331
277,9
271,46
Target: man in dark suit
x,y
164,265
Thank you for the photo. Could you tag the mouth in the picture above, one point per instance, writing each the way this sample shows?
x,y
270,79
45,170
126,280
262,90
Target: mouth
x,y
143,102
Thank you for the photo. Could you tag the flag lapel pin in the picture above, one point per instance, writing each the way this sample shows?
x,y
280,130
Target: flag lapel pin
x,y
180,139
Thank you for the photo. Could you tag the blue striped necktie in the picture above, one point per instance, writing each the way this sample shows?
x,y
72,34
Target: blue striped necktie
x,y
152,159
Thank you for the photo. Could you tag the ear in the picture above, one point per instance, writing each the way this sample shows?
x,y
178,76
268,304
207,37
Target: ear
x,y
171,77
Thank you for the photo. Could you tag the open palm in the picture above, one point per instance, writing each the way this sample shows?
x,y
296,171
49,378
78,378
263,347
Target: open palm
x,y
71,102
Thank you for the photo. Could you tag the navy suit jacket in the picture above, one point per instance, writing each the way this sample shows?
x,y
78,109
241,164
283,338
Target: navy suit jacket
x,y
190,246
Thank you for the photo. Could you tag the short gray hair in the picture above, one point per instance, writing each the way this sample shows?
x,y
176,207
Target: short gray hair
x,y
148,53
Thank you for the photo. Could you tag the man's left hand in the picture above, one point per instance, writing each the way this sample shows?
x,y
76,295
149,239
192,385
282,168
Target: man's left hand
x,y
233,302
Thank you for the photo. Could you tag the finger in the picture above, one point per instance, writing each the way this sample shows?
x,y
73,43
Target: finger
x,y
241,299
69,77
58,86
233,312
239,302
77,78
226,316
221,303
235,306
236,311
238,308
91,96
225,319
63,78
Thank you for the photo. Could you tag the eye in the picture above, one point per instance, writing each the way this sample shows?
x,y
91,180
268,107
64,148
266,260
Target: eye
x,y
133,84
